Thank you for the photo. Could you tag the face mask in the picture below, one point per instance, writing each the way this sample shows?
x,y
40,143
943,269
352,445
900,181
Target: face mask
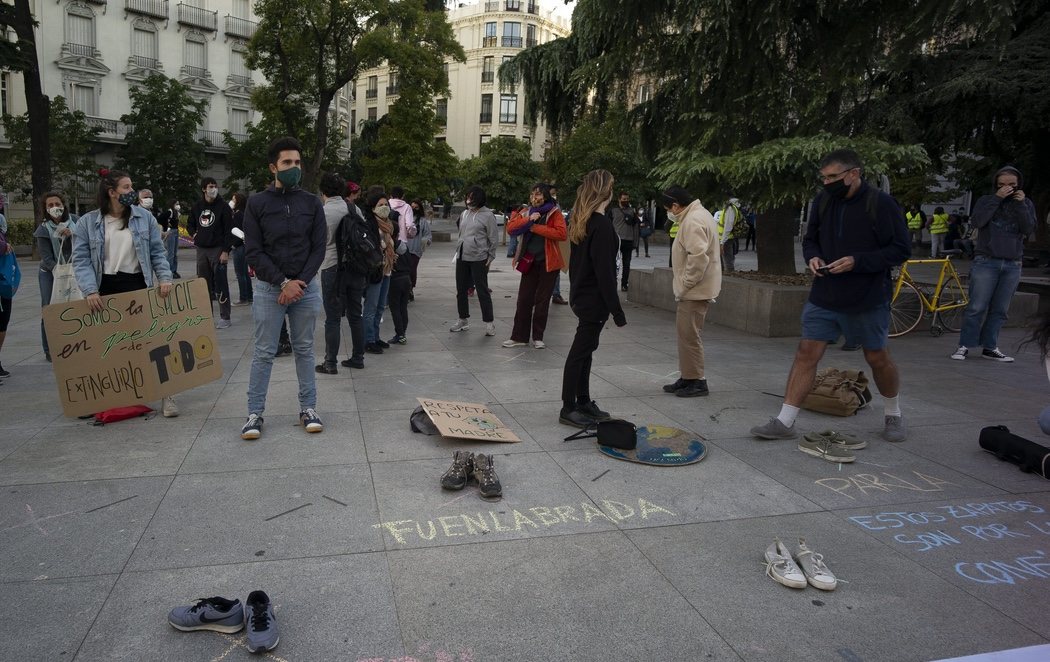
x,y
232,204
673,217
382,211
56,212
129,198
211,192
289,178
146,203
178,209
837,189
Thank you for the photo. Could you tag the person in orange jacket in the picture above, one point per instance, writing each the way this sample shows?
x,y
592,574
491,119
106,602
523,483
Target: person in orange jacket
x,y
539,260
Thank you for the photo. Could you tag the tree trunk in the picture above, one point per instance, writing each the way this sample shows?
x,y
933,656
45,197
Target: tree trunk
x,y
313,169
775,234
37,108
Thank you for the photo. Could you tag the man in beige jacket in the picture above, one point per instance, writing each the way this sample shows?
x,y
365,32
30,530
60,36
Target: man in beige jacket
x,y
697,281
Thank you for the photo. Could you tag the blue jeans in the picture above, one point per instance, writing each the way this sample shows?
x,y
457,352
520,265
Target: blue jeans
x,y
993,282
47,283
240,267
268,316
375,302
171,244
512,245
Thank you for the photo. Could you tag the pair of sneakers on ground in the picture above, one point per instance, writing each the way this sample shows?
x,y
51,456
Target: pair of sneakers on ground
x,y
807,567
584,415
464,325
466,466
223,615
990,354
538,344
831,445
893,430
308,418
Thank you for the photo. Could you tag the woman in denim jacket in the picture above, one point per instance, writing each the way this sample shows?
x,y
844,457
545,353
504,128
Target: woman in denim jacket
x,y
117,248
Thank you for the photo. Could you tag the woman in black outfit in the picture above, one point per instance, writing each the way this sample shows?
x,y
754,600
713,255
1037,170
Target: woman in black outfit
x,y
592,295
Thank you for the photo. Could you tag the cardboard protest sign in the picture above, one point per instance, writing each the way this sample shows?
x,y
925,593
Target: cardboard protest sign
x,y
466,420
138,349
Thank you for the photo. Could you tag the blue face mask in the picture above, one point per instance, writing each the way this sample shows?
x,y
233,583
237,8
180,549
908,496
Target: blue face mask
x,y
129,198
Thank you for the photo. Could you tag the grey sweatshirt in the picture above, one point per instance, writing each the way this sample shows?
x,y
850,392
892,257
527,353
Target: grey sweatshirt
x,y
1001,226
478,235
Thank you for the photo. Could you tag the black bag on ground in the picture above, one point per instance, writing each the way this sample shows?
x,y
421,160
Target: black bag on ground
x,y
614,432
1028,455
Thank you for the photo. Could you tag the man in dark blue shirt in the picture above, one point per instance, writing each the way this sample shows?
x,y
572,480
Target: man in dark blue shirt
x,y
856,234
284,238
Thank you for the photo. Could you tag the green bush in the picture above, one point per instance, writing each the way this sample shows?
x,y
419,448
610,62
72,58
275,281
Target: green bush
x,y
20,231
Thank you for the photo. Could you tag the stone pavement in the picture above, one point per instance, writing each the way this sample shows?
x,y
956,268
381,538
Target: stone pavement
x,y
942,549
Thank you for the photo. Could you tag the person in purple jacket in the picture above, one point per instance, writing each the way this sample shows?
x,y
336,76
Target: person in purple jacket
x,y
284,237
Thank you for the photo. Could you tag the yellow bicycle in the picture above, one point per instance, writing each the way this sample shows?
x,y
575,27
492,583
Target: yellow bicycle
x,y
912,300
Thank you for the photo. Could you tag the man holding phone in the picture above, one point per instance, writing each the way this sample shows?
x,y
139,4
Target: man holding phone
x,y
1002,221
855,235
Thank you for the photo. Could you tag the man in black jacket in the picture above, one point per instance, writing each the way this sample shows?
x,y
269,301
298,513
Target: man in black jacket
x,y
168,219
285,235
210,224
855,235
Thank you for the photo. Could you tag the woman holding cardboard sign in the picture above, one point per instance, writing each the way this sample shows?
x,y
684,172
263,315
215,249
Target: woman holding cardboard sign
x,y
117,248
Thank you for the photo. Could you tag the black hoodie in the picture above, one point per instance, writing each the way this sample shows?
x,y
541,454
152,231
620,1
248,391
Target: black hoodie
x,y
210,224
592,273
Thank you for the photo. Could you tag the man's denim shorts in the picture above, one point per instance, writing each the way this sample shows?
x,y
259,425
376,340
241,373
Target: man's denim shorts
x,y
869,329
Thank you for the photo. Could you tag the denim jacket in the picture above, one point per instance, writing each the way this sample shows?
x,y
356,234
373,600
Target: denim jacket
x,y
89,249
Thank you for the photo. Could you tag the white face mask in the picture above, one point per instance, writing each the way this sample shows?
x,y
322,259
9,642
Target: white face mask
x,y
232,204
146,203
178,209
56,212
673,217
211,192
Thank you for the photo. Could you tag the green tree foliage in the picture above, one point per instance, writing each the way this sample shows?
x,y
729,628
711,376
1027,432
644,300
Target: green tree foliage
x,y
406,153
505,170
610,142
161,150
363,147
70,158
310,50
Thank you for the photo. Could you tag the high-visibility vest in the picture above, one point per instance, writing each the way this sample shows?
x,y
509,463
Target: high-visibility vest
x,y
939,224
914,220
722,219
673,231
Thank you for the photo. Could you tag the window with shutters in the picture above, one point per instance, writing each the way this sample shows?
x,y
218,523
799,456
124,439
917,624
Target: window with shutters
x,y
238,122
441,111
372,114
241,8
195,55
353,122
85,99
486,109
144,50
239,72
488,69
4,87
80,30
511,35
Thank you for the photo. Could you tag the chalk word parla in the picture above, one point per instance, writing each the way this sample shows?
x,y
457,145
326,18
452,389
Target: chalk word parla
x,y
884,482
519,521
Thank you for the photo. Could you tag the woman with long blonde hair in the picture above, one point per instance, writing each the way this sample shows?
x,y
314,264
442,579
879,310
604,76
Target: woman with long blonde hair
x,y
592,295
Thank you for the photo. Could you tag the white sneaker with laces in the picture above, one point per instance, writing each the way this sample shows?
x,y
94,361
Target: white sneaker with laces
x,y
169,408
513,343
817,573
960,354
780,567
538,344
490,328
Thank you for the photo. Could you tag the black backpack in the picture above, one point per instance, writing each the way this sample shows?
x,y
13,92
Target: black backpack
x,y
359,248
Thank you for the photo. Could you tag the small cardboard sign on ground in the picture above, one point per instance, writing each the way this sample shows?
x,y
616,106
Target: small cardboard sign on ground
x,y
467,420
137,350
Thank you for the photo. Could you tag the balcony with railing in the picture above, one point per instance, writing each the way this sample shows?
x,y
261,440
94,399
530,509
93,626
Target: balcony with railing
x,y
486,118
371,94
237,79
508,118
488,76
512,42
80,50
492,6
96,2
151,63
486,42
393,90
442,120
151,8
108,130
534,8
512,5
198,18
240,27
194,72
212,140
529,43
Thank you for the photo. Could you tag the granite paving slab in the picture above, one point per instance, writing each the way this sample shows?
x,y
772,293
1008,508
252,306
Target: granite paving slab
x,y
54,633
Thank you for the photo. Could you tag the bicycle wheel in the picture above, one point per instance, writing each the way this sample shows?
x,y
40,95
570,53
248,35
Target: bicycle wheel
x,y
905,310
951,294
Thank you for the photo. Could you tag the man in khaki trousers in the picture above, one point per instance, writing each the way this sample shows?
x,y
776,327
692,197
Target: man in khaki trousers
x,y
697,273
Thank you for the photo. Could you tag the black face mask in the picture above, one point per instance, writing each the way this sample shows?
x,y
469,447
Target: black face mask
x,y
836,189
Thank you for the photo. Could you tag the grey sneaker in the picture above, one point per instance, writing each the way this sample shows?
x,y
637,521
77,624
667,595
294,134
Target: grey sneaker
x,y
223,324
841,439
262,626
456,477
894,430
774,429
960,354
490,329
460,325
780,567
215,614
825,449
817,574
485,474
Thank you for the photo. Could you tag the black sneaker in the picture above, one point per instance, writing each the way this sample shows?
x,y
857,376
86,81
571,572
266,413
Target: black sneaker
x,y
398,340
485,474
384,344
284,349
262,626
327,369
992,354
850,347
576,418
459,473
353,362
373,348
694,388
591,409
252,427
623,288
4,373
679,383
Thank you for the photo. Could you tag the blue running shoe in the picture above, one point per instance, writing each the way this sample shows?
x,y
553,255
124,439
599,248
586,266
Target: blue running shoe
x,y
262,626
216,614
